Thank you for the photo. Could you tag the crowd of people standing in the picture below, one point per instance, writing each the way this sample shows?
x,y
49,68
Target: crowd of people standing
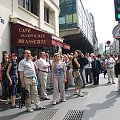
x,y
57,72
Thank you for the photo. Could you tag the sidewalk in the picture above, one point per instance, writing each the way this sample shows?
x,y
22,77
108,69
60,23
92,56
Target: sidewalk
x,y
99,103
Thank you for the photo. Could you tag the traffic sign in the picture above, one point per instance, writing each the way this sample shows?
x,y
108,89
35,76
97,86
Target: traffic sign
x,y
116,31
108,42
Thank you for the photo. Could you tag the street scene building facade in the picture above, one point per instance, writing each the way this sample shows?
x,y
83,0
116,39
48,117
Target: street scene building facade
x,y
114,48
32,24
77,26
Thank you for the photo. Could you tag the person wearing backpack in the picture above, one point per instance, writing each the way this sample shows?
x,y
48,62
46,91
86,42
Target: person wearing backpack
x,y
12,74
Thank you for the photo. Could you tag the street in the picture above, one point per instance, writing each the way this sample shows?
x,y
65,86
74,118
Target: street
x,y
99,103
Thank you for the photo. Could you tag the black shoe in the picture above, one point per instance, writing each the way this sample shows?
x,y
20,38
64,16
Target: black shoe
x,y
113,82
46,98
83,86
108,82
13,106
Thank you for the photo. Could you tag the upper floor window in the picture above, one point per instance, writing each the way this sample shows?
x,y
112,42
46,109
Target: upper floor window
x,y
46,14
25,3
30,5
49,15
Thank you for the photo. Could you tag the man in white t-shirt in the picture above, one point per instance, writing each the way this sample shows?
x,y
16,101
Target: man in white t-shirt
x,y
88,69
27,75
43,66
109,63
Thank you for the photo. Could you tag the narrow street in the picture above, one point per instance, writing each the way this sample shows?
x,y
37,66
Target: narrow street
x,y
99,103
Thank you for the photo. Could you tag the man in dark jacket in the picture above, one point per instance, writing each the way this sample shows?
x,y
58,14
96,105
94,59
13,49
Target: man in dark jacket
x,y
117,71
96,69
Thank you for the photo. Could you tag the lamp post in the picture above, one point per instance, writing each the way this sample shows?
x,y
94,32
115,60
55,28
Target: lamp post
x,y
105,49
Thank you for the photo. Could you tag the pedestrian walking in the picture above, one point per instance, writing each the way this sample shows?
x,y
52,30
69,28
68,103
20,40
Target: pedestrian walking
x,y
76,74
58,78
12,75
109,62
82,61
27,74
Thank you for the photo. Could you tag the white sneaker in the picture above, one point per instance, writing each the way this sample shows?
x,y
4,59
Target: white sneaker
x,y
40,107
32,101
30,110
63,100
80,95
54,103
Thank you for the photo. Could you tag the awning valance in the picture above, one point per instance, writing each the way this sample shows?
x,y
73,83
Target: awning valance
x,y
24,36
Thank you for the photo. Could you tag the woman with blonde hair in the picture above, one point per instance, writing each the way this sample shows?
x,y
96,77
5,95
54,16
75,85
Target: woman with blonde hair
x,y
58,77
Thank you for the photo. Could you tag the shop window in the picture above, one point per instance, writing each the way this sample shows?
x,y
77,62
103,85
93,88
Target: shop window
x,y
36,52
30,5
20,52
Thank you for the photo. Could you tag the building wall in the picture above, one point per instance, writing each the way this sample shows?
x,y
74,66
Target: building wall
x,y
11,11
84,20
73,15
6,10
114,48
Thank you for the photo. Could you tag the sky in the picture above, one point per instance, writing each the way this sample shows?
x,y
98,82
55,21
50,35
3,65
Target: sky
x,y
103,12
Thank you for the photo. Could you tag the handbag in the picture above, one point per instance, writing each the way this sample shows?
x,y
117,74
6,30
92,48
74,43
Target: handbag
x,y
76,74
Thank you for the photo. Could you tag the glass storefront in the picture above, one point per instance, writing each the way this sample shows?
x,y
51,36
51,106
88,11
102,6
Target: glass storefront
x,y
35,51
68,17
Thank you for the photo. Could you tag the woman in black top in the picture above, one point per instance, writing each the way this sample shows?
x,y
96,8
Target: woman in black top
x,y
77,78
12,75
5,87
117,71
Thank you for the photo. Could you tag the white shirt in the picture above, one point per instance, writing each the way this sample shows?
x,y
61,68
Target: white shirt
x,y
42,63
27,67
89,64
110,62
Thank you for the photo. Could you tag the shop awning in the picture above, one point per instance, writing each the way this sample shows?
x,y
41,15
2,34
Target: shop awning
x,y
24,36
60,44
